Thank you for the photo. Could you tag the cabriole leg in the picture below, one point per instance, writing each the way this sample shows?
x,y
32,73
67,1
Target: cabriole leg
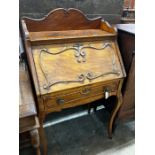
x,y
113,115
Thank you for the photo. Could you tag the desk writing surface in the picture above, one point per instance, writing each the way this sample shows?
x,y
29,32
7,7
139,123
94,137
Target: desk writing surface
x,y
62,66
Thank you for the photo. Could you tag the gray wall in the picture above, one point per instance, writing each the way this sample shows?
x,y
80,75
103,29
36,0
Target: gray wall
x,y
110,10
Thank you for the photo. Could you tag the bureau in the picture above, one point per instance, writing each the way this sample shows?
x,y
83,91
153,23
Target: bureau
x,y
126,41
28,121
73,61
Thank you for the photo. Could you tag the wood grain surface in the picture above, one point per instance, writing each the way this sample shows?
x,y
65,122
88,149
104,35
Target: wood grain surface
x,y
64,66
26,99
73,61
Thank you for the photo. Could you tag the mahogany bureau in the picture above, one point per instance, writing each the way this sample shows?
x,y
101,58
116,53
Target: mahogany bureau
x,y
126,41
73,61
28,121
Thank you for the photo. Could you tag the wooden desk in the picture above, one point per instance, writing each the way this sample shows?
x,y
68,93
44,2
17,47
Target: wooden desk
x,y
126,41
73,61
28,121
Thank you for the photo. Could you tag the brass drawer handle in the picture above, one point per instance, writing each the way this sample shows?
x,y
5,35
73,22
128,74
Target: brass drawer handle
x,y
60,101
85,91
106,93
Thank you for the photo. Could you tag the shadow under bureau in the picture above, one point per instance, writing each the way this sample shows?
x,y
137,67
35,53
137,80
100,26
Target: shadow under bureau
x,y
73,61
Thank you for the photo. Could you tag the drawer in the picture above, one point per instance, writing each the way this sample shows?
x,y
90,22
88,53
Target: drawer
x,y
80,94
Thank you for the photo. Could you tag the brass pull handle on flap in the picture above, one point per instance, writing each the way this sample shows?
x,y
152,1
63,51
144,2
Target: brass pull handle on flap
x,y
60,101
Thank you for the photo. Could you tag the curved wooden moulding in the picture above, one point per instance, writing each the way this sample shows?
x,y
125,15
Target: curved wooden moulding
x,y
62,19
65,19
107,27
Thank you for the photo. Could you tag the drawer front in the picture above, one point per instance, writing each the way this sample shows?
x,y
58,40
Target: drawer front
x,y
83,93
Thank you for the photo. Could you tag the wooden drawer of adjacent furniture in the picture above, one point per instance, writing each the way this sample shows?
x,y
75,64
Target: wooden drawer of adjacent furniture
x,y
79,94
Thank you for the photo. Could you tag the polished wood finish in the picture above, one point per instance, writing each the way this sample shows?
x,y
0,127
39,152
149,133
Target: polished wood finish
x,y
52,64
28,121
58,20
126,40
26,102
35,140
73,61
53,35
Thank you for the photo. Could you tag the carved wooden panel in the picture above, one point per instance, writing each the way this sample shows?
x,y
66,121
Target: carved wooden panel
x,y
58,20
62,66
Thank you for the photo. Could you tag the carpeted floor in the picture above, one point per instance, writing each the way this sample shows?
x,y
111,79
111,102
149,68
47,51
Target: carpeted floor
x,y
87,135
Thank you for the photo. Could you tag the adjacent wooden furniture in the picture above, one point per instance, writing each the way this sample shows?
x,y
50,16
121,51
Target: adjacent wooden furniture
x,y
73,61
28,121
126,41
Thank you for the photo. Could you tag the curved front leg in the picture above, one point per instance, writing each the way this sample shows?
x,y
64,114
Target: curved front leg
x,y
113,114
